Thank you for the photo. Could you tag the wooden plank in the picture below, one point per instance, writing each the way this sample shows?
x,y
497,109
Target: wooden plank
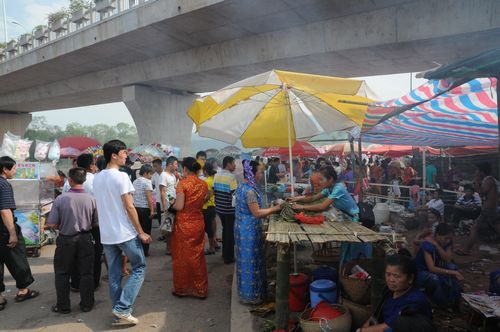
x,y
330,231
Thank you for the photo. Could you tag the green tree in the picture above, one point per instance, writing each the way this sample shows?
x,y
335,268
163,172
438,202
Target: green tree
x,y
75,129
40,129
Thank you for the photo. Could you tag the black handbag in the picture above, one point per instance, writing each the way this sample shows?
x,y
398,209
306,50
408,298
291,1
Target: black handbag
x,y
366,216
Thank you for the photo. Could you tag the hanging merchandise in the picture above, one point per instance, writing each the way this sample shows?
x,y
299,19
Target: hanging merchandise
x,y
55,151
41,150
22,150
9,144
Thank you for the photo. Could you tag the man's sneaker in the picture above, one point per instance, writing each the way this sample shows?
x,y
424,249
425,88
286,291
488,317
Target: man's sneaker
x,y
126,317
119,322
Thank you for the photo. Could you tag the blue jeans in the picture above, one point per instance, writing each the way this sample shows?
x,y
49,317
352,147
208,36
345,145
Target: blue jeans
x,y
124,298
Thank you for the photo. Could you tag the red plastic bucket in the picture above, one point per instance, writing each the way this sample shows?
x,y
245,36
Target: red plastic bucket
x,y
299,292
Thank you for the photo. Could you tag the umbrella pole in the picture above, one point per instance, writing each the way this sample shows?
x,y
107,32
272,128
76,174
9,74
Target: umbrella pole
x,y
265,187
352,155
498,114
289,123
360,151
282,286
423,175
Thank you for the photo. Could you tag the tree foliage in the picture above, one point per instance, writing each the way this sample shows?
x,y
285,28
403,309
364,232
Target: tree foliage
x,y
41,130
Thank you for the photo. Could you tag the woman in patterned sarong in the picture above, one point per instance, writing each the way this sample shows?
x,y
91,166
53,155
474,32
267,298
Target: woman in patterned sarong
x,y
249,239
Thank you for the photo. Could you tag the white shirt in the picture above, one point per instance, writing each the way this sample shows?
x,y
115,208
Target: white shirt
x,y
436,204
114,223
282,168
171,186
159,180
88,185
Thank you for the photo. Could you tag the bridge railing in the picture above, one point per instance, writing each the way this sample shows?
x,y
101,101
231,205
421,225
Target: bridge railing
x,y
103,10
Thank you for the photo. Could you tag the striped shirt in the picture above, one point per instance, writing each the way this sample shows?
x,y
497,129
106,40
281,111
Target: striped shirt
x,y
225,185
470,202
6,201
142,186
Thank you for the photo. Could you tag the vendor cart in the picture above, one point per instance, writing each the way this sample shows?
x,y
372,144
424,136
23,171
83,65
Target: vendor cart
x,y
34,197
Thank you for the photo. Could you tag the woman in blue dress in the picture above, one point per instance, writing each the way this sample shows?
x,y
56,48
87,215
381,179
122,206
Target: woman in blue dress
x,y
248,235
336,194
436,274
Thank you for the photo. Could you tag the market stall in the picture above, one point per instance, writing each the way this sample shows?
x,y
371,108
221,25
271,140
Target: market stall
x,y
287,235
34,196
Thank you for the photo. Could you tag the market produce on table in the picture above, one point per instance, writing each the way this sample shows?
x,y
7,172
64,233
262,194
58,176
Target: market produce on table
x,y
308,219
287,213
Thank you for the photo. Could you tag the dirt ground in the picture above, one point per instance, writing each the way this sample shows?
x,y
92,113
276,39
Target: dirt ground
x,y
155,307
475,268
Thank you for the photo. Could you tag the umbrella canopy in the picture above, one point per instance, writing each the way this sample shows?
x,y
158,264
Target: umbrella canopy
x,y
146,153
212,153
69,152
231,150
482,65
299,149
437,114
277,107
337,149
471,151
395,151
77,142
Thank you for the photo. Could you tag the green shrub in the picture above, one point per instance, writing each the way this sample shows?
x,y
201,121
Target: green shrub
x,y
61,14
75,5
40,27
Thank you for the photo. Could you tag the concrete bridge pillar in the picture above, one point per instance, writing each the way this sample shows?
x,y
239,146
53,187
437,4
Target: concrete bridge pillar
x,y
160,117
16,123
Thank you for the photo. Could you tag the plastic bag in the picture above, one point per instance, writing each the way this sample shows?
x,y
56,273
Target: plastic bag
x,y
22,150
54,151
41,150
9,144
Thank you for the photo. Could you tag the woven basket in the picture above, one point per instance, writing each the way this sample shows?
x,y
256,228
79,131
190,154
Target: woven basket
x,y
359,313
339,324
357,290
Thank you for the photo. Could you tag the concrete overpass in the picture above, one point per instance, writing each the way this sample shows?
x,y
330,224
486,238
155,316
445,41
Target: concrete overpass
x,y
154,55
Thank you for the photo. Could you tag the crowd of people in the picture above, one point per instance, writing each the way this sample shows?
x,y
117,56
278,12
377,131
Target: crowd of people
x,y
107,208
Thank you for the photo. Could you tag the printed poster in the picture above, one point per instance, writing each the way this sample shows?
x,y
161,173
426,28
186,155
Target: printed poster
x,y
27,171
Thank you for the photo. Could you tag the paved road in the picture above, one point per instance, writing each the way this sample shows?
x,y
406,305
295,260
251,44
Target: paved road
x,y
156,308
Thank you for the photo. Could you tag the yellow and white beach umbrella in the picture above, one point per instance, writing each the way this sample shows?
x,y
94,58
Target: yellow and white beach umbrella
x,y
259,109
275,108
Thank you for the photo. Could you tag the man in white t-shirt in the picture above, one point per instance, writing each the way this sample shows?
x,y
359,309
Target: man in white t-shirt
x,y
120,231
171,184
172,164
86,161
159,181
